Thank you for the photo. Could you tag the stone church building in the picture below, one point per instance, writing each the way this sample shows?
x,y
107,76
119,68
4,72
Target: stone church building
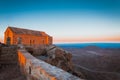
x,y
14,36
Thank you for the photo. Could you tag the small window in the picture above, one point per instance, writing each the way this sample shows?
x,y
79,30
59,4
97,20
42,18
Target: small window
x,y
43,42
30,42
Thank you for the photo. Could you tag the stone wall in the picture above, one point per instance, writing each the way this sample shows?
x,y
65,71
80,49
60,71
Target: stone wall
x,y
9,69
36,69
8,54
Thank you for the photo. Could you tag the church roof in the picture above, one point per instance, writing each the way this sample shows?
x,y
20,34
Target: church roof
x,y
27,31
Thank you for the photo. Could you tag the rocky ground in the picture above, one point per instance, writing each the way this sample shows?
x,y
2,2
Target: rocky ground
x,y
97,63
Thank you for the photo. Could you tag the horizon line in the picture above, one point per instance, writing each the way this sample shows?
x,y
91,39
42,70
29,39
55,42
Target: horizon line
x,y
87,42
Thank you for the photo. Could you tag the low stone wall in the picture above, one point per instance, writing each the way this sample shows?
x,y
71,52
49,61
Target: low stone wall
x,y
36,69
8,55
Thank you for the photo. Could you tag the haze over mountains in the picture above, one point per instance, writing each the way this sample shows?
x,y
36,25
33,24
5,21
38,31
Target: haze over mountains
x,y
96,62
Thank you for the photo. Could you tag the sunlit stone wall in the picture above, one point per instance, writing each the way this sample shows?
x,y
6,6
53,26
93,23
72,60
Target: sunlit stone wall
x,y
35,69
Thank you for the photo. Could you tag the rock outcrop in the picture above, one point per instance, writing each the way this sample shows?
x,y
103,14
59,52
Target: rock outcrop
x,y
57,57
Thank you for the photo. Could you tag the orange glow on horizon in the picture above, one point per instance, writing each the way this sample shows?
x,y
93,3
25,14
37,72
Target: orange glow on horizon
x,y
89,39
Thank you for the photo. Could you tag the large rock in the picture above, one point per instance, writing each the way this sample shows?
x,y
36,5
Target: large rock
x,y
60,58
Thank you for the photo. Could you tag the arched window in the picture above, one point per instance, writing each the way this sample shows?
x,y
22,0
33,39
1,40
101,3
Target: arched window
x,y
33,41
30,42
43,41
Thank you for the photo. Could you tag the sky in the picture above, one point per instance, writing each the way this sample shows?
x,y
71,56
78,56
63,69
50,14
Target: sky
x,y
65,20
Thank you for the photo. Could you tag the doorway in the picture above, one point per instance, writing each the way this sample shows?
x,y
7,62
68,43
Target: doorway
x,y
8,41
